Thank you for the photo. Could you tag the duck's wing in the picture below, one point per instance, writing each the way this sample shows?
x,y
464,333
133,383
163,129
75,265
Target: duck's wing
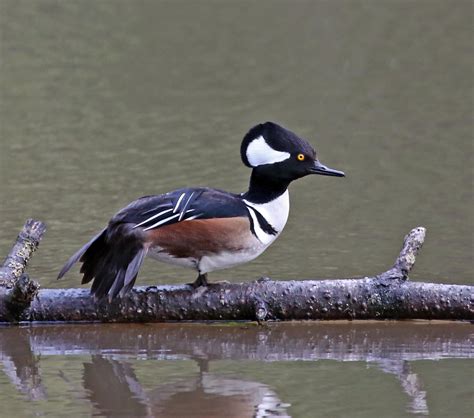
x,y
113,258
152,212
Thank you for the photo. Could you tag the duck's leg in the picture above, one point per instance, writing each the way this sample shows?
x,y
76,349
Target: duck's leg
x,y
200,281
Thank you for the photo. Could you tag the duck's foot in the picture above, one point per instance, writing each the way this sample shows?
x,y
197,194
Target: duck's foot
x,y
200,281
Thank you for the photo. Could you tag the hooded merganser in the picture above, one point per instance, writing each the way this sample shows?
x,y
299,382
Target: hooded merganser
x,y
202,228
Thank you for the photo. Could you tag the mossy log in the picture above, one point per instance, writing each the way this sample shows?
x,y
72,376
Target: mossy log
x,y
389,295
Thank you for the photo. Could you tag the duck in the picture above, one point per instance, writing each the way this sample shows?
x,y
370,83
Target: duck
x,y
202,228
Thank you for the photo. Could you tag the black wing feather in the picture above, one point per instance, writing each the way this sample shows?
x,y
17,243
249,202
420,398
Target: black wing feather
x,y
152,212
113,258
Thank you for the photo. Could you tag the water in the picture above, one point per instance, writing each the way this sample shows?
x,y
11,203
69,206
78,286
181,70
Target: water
x,y
212,370
102,102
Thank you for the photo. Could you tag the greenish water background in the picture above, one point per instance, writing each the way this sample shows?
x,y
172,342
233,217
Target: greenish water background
x,y
105,101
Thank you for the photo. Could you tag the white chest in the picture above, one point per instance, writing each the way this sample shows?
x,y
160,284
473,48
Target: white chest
x,y
275,213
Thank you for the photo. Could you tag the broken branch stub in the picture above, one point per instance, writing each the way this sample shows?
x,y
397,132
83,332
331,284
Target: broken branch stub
x,y
17,259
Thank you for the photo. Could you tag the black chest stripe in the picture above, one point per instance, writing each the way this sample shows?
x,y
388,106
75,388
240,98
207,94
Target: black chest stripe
x,y
262,222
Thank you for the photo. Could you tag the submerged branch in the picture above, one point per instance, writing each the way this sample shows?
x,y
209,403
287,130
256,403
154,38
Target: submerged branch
x,y
386,296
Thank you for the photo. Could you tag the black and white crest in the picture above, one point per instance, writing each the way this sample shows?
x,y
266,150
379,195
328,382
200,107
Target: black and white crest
x,y
270,143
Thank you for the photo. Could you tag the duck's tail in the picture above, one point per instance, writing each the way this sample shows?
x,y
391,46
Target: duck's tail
x,y
111,259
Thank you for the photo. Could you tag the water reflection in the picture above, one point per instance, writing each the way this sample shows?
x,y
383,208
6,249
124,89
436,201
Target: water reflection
x,y
410,382
111,384
21,366
205,394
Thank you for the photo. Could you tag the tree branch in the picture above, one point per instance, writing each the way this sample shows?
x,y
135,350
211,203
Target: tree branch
x,y
26,244
387,296
16,289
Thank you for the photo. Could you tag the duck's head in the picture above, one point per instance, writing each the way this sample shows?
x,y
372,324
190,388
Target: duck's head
x,y
275,152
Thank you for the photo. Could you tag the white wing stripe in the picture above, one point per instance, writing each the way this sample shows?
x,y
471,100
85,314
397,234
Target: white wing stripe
x,y
185,206
178,202
163,221
153,217
193,217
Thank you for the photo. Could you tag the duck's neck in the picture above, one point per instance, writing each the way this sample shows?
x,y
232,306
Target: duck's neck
x,y
263,189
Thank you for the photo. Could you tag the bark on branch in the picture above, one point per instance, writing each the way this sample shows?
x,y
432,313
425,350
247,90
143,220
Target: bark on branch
x,y
387,296
26,243
16,289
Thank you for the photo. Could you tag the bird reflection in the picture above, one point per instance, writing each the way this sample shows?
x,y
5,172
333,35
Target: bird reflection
x,y
113,389
111,385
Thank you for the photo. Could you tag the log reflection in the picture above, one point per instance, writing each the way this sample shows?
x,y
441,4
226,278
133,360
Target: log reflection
x,y
410,383
21,365
111,385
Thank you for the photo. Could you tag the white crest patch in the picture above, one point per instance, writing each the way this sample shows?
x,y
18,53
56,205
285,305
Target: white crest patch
x,y
260,153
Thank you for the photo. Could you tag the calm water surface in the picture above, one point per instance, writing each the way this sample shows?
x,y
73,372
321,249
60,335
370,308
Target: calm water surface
x,y
210,370
103,102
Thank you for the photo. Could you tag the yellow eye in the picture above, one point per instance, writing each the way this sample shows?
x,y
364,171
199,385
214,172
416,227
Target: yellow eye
x,y
300,157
